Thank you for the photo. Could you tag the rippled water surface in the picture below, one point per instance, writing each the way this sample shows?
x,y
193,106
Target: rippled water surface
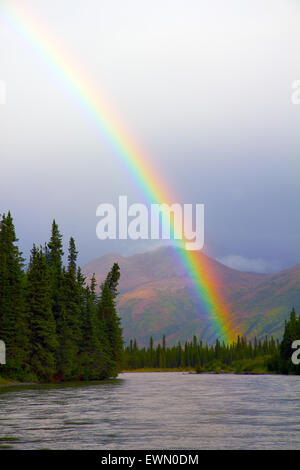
x,y
155,411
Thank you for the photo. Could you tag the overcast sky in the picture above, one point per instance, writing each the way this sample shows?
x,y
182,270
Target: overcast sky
x,y
203,86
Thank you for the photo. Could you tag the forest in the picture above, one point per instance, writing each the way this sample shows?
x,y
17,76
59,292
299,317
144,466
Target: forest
x,y
58,326
242,356
55,325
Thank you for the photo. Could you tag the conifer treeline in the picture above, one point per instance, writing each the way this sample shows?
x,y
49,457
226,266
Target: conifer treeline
x,y
240,356
196,354
55,326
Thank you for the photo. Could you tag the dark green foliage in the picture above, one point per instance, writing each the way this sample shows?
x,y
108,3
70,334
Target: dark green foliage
x,y
109,318
241,355
43,340
68,318
112,280
54,325
54,254
13,322
72,257
95,359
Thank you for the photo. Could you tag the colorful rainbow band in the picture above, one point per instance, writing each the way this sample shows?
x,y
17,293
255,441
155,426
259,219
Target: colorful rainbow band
x,y
130,156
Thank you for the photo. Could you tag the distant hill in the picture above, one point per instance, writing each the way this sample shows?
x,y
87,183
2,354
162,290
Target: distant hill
x,y
156,297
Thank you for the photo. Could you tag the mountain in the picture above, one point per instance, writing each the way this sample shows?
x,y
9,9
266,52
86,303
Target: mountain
x,y
157,297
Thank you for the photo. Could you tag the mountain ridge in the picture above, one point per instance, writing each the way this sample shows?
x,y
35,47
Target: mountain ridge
x,y
157,297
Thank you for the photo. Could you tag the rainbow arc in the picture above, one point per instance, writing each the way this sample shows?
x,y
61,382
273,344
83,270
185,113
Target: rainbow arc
x,y
129,154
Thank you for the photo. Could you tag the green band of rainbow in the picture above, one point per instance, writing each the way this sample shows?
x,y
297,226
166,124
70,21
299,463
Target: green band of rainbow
x,y
135,161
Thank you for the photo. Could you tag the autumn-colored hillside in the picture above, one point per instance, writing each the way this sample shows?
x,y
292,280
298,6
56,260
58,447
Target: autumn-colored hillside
x,y
157,297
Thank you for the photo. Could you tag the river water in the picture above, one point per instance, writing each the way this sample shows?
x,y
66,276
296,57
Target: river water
x,y
155,411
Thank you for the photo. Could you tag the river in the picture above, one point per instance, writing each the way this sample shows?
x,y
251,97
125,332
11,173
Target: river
x,y
155,411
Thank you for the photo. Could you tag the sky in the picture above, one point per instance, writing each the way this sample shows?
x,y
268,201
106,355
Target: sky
x,y
204,88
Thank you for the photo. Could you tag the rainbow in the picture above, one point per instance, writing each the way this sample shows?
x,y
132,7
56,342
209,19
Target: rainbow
x,y
129,155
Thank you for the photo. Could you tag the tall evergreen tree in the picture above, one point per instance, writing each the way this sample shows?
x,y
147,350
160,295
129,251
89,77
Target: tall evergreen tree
x,y
54,253
43,338
72,257
69,318
13,322
109,316
95,361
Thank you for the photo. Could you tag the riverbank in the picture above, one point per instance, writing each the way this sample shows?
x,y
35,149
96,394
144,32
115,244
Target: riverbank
x,y
156,369
188,371
13,383
256,366
6,383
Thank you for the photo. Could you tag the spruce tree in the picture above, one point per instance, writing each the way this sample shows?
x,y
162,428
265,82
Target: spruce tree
x,y
13,321
69,318
109,316
43,338
54,254
95,362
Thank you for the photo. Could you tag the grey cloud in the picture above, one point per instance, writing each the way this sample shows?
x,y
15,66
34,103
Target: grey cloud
x,y
256,265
